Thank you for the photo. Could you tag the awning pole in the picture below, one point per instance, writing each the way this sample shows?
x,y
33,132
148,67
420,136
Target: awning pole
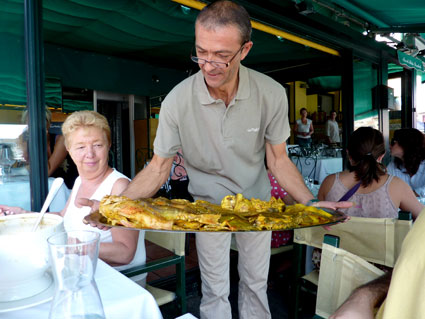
x,y
37,144
268,29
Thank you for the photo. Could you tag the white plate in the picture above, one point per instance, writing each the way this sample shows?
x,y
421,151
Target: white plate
x,y
35,300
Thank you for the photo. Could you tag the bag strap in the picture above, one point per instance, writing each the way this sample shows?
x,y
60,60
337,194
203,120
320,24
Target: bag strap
x,y
350,192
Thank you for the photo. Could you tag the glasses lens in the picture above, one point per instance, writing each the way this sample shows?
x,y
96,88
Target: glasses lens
x,y
197,60
393,141
220,65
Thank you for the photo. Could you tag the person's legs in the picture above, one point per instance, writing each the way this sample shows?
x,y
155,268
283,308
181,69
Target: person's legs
x,y
213,258
253,267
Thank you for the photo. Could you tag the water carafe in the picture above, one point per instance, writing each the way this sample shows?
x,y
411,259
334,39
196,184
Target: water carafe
x,y
73,259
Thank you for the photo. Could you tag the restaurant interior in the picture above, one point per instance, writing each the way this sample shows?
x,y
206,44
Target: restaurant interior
x,y
362,59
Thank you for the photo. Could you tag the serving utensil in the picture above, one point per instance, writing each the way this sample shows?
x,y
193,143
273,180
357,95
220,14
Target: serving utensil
x,y
57,183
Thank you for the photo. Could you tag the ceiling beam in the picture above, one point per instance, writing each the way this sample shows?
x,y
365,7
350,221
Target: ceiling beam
x,y
360,13
410,28
269,29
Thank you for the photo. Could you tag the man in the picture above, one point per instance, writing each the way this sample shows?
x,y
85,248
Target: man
x,y
225,118
402,290
332,129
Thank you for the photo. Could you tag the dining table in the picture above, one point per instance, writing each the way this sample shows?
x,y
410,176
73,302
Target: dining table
x,y
121,298
16,191
317,167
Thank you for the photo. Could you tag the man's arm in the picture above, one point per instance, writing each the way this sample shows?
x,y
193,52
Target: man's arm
x,y
286,173
364,299
148,181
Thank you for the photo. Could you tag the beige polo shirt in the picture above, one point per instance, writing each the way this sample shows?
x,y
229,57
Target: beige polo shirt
x,y
224,148
406,295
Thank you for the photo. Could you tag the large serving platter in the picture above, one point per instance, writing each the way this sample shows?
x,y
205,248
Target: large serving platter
x,y
96,219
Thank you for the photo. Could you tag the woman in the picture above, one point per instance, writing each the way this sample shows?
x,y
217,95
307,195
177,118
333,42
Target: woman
x,y
408,152
88,140
379,194
303,129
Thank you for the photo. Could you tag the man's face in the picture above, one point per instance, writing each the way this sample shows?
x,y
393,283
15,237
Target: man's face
x,y
333,116
220,44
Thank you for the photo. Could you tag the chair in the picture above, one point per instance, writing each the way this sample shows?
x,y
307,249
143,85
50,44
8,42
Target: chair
x,y
174,242
377,240
341,272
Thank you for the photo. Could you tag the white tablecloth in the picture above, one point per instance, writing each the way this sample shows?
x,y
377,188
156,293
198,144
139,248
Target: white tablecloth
x,y
324,167
121,298
17,193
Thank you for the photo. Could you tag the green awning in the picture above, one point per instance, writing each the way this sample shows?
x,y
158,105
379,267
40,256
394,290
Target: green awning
x,y
74,105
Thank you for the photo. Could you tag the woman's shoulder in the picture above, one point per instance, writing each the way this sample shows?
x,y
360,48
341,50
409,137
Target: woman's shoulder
x,y
120,182
397,184
326,186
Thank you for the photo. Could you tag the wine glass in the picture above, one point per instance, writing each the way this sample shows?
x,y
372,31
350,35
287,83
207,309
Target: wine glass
x,y
6,161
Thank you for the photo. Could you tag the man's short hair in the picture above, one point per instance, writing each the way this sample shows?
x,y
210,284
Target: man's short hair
x,y
224,13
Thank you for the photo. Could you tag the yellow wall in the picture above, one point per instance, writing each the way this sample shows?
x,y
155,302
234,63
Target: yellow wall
x,y
300,97
312,103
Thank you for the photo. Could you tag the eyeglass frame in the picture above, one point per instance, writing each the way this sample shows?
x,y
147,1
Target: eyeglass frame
x,y
393,141
217,63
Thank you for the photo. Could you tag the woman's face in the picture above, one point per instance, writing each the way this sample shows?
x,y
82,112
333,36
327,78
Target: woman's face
x,y
303,113
88,148
396,149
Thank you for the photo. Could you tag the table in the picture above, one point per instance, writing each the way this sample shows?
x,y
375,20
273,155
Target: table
x,y
17,193
121,298
318,168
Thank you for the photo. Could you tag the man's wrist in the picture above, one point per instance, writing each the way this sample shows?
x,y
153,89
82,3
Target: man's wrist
x,y
312,202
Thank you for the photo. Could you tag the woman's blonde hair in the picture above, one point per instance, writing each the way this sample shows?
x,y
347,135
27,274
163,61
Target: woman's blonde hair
x,y
84,119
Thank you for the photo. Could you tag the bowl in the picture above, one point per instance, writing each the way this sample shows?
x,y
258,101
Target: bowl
x,y
24,255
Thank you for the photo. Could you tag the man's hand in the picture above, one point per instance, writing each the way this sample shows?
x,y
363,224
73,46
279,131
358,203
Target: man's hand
x,y
333,205
94,205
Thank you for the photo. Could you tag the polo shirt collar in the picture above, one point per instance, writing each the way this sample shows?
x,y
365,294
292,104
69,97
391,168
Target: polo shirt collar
x,y
243,87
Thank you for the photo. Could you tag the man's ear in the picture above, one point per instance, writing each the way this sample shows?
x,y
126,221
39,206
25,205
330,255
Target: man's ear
x,y
247,47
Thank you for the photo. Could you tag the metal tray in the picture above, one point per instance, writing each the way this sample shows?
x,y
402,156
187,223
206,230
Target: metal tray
x,y
97,219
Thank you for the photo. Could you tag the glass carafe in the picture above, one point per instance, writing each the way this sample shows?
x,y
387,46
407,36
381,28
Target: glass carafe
x,y
73,258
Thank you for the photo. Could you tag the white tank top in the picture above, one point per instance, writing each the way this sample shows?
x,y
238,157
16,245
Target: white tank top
x,y
73,218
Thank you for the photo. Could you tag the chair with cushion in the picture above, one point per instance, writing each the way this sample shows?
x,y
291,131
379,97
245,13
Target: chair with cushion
x,y
175,242
376,240
341,272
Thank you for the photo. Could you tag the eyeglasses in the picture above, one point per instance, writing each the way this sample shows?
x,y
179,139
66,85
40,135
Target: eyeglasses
x,y
216,64
393,141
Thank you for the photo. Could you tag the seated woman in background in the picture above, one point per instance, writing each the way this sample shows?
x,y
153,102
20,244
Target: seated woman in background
x,y
88,140
303,129
408,152
379,194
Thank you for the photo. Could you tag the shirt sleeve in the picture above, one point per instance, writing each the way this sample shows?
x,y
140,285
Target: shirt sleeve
x,y
167,141
278,129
